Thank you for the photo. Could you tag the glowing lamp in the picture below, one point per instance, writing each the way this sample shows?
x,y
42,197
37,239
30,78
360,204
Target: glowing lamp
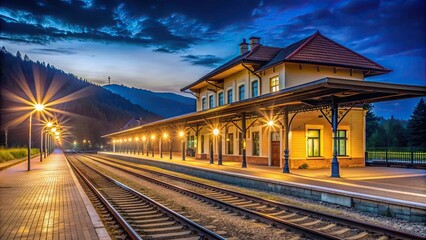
x,y
152,137
216,131
165,135
39,107
271,123
49,124
181,134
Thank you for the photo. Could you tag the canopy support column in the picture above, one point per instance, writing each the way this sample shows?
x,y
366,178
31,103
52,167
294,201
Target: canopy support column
x,y
334,124
244,131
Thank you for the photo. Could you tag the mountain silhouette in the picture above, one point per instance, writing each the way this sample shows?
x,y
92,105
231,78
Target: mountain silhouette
x,y
164,104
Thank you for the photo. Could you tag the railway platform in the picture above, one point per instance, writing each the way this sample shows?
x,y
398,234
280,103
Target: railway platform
x,y
46,203
398,192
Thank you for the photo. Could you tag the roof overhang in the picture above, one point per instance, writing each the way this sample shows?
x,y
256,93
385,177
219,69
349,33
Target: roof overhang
x,y
313,95
215,76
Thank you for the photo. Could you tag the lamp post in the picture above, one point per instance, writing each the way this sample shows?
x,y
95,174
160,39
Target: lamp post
x,y
161,144
152,144
181,135
37,107
216,133
43,149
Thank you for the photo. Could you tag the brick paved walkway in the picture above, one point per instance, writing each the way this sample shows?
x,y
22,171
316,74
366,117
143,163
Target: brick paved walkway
x,y
44,203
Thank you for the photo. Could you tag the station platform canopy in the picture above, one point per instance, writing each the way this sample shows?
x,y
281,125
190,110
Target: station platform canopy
x,y
315,95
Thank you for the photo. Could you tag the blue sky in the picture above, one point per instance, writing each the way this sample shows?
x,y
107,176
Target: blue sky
x,y
165,45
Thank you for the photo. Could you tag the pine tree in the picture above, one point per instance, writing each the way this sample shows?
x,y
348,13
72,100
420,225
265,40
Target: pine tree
x,y
371,124
26,58
18,55
416,125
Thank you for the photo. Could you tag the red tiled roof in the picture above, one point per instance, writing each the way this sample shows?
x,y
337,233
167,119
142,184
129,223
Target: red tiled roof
x,y
262,53
315,49
319,49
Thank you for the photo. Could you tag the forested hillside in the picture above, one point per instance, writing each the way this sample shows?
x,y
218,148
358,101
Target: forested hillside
x,y
91,115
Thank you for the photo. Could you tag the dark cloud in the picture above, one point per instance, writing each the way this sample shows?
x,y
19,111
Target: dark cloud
x,y
375,28
51,51
203,60
170,26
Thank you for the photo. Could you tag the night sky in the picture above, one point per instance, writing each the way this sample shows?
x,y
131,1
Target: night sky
x,y
165,45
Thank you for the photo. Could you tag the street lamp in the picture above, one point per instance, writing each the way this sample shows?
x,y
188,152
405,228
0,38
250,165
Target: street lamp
x,y
137,145
43,146
181,135
161,144
37,107
146,145
216,133
152,144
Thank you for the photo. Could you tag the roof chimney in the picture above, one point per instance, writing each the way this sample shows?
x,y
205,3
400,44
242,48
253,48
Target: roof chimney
x,y
254,42
243,47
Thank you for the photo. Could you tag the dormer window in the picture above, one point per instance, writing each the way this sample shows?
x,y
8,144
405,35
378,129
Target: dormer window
x,y
229,96
275,84
255,88
241,92
203,104
221,100
211,101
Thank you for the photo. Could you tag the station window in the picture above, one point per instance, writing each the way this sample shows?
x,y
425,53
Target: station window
x,y
275,84
230,143
241,92
314,140
256,143
211,101
230,96
255,88
341,142
221,100
203,104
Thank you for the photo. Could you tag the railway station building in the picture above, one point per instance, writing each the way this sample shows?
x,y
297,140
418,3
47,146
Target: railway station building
x,y
299,106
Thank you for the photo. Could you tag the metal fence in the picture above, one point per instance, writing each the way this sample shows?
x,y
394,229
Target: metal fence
x,y
396,156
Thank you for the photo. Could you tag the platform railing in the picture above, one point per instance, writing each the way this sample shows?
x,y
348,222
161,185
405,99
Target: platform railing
x,y
414,157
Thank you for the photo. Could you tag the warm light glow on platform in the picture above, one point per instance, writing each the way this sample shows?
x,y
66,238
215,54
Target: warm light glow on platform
x,y
54,129
136,139
271,123
181,134
130,139
75,142
144,138
216,131
165,135
57,133
153,137
84,140
49,124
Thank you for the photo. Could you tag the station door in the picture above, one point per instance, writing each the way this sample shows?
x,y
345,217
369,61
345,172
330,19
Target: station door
x,y
275,149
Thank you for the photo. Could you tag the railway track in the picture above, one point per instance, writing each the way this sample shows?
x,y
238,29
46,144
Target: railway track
x,y
310,223
138,215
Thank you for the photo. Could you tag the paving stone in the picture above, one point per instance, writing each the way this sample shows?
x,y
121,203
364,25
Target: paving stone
x,y
43,203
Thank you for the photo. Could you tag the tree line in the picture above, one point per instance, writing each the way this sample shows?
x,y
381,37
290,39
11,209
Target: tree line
x,y
393,132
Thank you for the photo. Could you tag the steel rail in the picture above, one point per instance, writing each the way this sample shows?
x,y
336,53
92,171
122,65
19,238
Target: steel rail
x,y
203,232
129,230
346,221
